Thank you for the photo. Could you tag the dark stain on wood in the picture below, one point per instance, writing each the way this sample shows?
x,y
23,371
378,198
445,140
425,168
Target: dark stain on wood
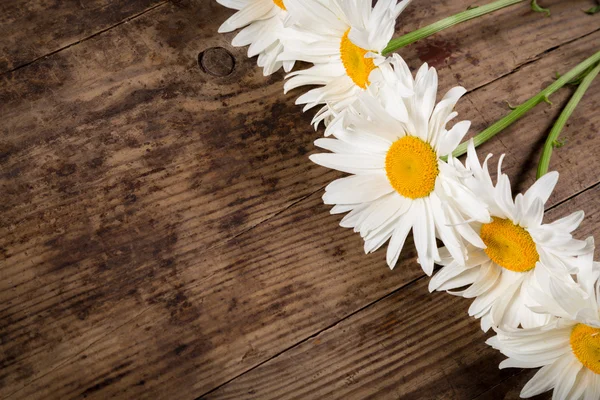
x,y
436,52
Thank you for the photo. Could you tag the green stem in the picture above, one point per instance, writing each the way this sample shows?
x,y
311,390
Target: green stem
x,y
519,111
429,30
562,120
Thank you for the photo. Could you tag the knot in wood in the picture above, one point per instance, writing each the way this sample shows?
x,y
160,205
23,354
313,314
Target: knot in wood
x,y
216,61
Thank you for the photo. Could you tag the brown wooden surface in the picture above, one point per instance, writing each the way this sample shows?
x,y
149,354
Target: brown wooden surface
x,y
410,344
162,233
31,29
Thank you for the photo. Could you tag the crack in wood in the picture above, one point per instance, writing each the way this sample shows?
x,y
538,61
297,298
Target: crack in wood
x,y
77,42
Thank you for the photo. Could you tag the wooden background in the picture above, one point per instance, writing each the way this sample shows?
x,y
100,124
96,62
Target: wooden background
x,y
162,234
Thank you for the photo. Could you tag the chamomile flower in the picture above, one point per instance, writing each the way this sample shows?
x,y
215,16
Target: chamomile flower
x,y
392,149
568,346
521,252
344,40
263,23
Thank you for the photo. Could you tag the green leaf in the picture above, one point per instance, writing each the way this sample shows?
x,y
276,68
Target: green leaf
x,y
546,99
535,7
593,10
558,143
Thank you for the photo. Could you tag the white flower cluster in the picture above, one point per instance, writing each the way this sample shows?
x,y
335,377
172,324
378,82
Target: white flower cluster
x,y
533,283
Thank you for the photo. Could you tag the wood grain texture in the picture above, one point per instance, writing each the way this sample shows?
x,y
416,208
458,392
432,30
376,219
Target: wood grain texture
x,y
523,141
410,345
162,231
32,29
511,387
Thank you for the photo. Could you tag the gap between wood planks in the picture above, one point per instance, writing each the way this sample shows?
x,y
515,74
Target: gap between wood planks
x,y
131,18
393,292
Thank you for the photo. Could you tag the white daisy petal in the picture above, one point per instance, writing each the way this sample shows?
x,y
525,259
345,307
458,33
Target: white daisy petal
x,y
446,233
420,234
488,274
378,237
356,189
253,11
566,380
545,379
504,196
234,4
403,226
569,223
342,208
466,278
485,301
451,139
565,346
337,146
528,254
588,270
541,189
442,112
486,322
264,31
355,163
580,384
501,307
593,386
463,228
401,6
398,180
569,297
333,33
350,219
534,215
390,206
446,274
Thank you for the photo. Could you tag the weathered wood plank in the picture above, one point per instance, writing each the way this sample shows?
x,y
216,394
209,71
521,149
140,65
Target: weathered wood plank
x,y
476,51
32,29
524,141
211,316
410,345
131,163
511,387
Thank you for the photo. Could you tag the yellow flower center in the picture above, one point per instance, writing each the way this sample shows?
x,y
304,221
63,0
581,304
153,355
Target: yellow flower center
x,y
585,343
279,3
509,245
357,66
411,166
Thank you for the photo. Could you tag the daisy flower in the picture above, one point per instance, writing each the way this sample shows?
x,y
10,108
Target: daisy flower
x,y
264,29
343,39
398,182
521,253
568,347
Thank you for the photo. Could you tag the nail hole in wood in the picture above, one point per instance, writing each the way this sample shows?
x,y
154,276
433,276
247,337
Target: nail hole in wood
x,y
216,61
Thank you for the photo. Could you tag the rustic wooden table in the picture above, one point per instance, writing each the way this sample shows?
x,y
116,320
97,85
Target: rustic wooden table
x,y
162,234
